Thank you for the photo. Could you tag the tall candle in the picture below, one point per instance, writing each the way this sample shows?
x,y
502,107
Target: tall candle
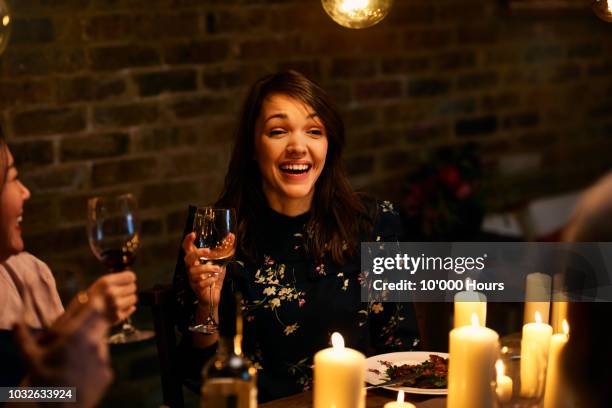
x,y
559,315
555,394
471,371
469,302
537,286
504,383
339,376
400,402
534,355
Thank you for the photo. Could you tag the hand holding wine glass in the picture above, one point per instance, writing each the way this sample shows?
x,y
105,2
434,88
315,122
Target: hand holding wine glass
x,y
208,249
114,240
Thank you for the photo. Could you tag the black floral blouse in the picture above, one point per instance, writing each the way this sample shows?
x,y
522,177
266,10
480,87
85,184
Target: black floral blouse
x,y
292,305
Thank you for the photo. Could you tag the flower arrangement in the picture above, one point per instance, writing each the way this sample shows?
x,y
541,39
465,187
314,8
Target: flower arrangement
x,y
441,199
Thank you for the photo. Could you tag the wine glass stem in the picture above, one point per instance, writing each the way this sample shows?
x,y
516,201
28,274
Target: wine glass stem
x,y
211,309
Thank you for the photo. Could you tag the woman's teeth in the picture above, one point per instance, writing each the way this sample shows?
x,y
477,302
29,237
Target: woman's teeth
x,y
19,219
295,168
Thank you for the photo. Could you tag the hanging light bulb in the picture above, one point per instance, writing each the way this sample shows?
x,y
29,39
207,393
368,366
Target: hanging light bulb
x,y
603,9
5,25
357,13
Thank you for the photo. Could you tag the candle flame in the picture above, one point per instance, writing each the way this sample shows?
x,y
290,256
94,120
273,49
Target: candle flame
x,y
500,368
475,322
400,396
565,327
538,317
337,340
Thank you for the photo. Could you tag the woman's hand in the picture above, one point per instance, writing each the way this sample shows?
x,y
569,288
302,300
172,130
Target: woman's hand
x,y
73,352
119,293
202,276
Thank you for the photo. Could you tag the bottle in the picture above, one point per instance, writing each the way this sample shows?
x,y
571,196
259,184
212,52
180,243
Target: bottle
x,y
228,379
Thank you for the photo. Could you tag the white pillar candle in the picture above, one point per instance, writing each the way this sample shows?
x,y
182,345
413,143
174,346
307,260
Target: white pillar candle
x,y
555,394
504,383
471,372
559,315
469,302
400,402
537,286
339,376
534,357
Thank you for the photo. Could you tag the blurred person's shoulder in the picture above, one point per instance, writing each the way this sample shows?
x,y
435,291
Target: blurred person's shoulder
x,y
29,268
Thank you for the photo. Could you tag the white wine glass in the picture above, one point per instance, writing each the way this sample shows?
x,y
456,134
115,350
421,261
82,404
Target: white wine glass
x,y
215,230
114,239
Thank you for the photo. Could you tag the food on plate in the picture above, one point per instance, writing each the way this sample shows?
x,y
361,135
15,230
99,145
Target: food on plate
x,y
432,373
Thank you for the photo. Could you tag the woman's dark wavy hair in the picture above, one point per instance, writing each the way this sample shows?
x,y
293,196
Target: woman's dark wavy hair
x,y
3,159
337,216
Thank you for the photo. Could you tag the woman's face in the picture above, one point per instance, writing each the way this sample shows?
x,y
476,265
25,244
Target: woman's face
x,y
290,148
12,197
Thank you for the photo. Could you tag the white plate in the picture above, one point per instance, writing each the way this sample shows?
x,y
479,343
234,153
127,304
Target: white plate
x,y
406,357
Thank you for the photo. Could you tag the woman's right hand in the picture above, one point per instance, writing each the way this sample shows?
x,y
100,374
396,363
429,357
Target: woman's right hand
x,y
202,276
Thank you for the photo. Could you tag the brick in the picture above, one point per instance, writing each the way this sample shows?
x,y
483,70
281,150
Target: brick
x,y
225,79
156,139
57,179
365,141
428,87
427,39
359,165
402,15
175,220
566,73
73,207
194,162
499,101
29,155
167,193
264,48
107,88
479,80
406,65
541,54
312,69
201,106
585,50
93,146
49,121
44,61
125,26
396,159
32,30
478,34
427,132
360,117
60,240
235,19
352,68
455,107
16,93
341,42
476,126
126,115
197,52
156,83
151,227
74,89
123,56
455,60
600,69
378,89
521,120
123,171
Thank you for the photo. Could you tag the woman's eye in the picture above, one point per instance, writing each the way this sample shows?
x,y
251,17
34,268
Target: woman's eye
x,y
316,132
276,132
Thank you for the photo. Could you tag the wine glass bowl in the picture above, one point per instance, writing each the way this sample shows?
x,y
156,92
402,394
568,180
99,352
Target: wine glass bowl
x,y
114,239
215,238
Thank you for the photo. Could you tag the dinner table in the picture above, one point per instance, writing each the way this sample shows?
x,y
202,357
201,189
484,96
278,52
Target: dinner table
x,y
375,399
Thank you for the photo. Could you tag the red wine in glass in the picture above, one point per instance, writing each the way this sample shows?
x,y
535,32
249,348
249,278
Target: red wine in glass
x,y
113,237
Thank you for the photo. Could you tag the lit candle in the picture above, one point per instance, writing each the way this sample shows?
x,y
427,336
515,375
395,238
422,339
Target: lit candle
x,y
469,302
400,402
537,286
504,383
559,315
473,352
555,394
534,356
339,375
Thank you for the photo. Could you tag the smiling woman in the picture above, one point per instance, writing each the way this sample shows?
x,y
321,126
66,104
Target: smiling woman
x,y
299,231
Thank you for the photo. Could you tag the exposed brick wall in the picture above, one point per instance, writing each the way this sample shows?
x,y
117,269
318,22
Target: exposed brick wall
x,y
114,95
